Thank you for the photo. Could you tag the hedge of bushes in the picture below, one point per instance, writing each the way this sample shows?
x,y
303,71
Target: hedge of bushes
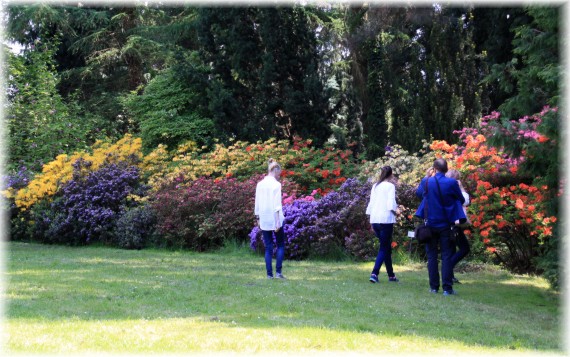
x,y
194,198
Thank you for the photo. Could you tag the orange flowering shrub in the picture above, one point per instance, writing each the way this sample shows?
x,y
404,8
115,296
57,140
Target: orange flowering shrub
x,y
510,223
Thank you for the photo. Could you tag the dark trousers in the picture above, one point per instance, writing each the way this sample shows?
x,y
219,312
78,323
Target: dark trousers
x,y
268,241
442,238
384,234
463,248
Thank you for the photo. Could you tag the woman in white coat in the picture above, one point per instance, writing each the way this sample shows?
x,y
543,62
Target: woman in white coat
x,y
383,210
269,213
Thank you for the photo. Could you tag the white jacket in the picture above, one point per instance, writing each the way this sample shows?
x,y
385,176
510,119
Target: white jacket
x,y
267,202
382,203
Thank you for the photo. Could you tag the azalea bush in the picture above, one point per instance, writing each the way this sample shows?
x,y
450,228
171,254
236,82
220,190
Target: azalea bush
x,y
511,223
57,172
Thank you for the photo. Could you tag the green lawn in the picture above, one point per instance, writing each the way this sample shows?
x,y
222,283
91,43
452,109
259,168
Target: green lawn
x,y
93,299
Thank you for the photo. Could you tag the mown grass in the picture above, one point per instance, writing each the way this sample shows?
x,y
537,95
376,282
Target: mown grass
x,y
94,299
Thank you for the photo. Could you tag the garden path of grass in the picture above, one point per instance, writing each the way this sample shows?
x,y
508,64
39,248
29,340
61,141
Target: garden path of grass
x,y
95,299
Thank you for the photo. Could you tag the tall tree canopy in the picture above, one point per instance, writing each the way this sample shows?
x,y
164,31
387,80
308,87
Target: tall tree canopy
x,y
370,74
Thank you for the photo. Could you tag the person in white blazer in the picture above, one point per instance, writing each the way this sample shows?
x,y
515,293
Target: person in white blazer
x,y
383,210
269,214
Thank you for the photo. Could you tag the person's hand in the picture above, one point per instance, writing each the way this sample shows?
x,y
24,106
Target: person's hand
x,y
277,227
430,172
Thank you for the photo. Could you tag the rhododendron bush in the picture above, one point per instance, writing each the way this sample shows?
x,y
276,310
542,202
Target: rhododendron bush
x,y
509,207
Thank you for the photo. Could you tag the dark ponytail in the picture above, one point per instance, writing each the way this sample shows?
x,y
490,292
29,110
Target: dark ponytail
x,y
385,173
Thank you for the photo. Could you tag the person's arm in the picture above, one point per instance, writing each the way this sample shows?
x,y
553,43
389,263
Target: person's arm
x,y
277,208
467,199
391,203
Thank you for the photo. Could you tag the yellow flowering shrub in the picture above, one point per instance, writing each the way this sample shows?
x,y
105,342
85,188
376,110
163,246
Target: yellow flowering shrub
x,y
60,170
240,159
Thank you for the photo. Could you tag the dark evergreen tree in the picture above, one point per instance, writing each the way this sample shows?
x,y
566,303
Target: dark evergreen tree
x,y
265,73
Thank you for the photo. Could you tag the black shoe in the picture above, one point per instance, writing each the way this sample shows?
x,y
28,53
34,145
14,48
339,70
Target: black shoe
x,y
454,280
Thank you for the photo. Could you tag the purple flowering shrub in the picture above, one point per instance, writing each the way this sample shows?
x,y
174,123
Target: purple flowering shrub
x,y
11,183
299,217
88,206
341,214
321,228
337,225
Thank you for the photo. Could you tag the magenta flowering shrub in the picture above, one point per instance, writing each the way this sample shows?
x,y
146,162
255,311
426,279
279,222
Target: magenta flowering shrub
x,y
203,213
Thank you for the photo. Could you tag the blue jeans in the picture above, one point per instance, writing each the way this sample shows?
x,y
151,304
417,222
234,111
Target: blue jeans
x,y
384,234
441,237
268,241
463,245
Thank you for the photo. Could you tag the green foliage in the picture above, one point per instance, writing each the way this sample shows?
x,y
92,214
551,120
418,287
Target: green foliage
x,y
136,229
172,108
417,75
41,125
532,76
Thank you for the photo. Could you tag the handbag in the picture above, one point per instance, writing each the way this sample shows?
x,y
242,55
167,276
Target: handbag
x,y
422,232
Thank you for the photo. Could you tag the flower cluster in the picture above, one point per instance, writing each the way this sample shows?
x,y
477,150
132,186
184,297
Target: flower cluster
x,y
311,168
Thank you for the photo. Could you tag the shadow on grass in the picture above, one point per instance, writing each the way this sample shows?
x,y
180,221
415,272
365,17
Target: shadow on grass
x,y
493,309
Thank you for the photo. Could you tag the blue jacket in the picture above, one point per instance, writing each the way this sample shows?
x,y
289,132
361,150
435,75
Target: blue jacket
x,y
451,197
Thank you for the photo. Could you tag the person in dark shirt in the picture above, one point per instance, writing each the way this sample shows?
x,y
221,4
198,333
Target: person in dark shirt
x,y
440,194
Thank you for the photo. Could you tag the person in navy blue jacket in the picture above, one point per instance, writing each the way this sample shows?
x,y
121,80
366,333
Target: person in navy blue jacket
x,y
441,204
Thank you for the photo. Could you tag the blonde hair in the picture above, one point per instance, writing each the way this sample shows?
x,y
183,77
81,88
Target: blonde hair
x,y
273,165
453,174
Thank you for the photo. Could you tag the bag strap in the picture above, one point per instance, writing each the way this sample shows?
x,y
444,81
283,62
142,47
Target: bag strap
x,y
426,203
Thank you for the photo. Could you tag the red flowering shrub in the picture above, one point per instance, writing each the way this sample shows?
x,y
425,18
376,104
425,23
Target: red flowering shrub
x,y
201,214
